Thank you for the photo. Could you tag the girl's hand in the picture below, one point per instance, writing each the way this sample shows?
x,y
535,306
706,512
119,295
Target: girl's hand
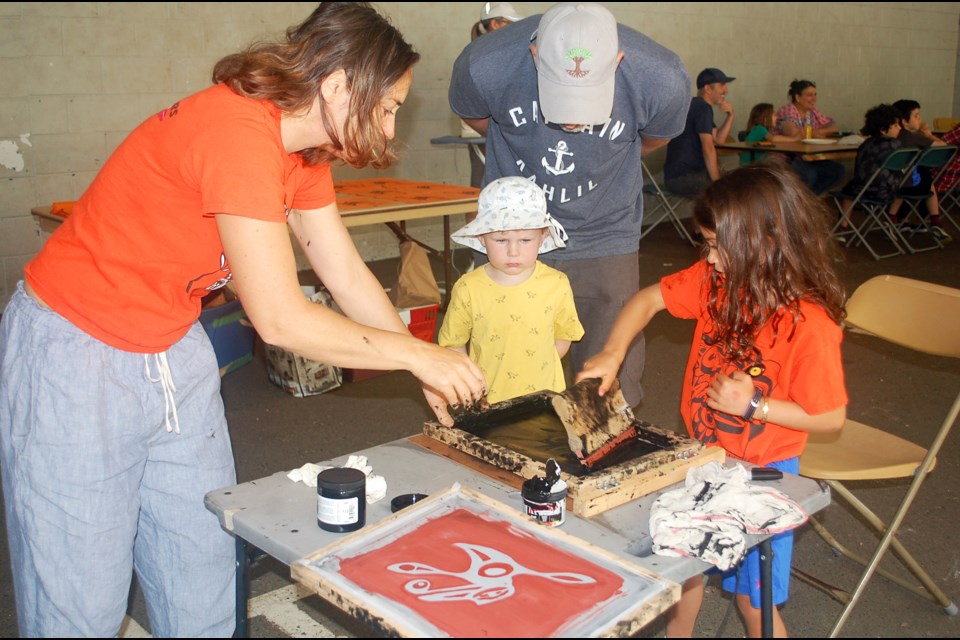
x,y
731,394
605,366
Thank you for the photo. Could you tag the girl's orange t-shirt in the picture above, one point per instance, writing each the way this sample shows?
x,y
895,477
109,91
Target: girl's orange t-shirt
x,y
806,369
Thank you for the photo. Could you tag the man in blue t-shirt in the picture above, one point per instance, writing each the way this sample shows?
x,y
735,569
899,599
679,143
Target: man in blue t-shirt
x,y
571,100
692,157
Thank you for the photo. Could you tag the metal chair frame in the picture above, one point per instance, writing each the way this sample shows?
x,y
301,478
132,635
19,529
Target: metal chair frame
x,y
901,161
933,158
949,199
665,209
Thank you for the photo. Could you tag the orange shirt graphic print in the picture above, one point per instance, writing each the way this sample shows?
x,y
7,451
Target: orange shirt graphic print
x,y
712,427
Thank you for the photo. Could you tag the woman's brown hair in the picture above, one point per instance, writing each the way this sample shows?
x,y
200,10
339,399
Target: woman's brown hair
x,y
337,35
773,236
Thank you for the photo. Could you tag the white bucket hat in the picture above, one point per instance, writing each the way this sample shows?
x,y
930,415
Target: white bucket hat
x,y
507,204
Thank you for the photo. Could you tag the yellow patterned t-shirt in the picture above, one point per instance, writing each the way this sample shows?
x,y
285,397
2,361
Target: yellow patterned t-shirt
x,y
511,331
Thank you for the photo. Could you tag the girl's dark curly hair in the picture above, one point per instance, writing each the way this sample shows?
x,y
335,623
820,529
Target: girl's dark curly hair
x,y
774,240
879,119
338,35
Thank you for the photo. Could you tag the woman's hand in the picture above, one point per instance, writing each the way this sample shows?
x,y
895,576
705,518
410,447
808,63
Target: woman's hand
x,y
828,131
731,394
448,378
605,365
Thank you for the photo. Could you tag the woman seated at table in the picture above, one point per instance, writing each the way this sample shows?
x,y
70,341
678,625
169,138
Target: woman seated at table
x,y
792,119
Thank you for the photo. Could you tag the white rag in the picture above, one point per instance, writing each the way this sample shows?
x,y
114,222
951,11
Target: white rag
x,y
711,515
376,485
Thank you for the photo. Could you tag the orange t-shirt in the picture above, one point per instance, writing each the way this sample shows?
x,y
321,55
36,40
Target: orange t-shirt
x,y
806,369
141,248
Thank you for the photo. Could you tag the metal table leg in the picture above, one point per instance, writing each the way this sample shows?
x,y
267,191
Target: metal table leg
x,y
766,590
242,629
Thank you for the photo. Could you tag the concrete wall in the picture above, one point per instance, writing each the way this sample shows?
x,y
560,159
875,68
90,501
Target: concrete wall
x,y
78,76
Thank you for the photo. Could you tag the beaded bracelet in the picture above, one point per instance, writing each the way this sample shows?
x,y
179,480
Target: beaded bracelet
x,y
754,403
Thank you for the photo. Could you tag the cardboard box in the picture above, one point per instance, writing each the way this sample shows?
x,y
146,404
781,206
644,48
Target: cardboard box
x,y
422,323
231,334
297,375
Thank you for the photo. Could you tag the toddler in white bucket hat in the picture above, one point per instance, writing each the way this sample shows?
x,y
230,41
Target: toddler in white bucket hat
x,y
507,204
516,314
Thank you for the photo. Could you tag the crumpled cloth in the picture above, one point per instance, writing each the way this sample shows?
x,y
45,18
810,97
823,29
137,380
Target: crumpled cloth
x,y
711,515
376,485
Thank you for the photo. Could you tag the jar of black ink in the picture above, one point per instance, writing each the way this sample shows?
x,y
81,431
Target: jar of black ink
x,y
341,499
544,499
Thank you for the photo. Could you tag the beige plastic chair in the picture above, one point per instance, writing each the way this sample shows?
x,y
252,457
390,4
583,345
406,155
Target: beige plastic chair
x,y
920,316
945,124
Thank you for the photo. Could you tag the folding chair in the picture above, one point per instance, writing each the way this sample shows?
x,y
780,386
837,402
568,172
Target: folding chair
x,y
665,208
950,200
920,316
932,158
876,211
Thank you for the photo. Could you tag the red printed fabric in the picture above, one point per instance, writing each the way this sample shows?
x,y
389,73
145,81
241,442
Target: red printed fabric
x,y
949,176
805,369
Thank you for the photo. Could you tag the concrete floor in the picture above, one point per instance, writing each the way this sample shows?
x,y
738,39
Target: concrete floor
x,y
890,387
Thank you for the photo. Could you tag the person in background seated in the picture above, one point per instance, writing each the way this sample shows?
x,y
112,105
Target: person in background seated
x,y
881,126
515,313
948,177
792,119
914,132
692,163
761,127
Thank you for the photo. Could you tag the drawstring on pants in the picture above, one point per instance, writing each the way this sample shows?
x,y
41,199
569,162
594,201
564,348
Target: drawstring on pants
x,y
165,378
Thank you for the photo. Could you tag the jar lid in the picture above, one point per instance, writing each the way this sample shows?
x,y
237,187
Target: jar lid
x,y
536,490
342,478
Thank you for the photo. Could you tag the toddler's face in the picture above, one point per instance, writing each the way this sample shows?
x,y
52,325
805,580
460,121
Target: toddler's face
x,y
513,252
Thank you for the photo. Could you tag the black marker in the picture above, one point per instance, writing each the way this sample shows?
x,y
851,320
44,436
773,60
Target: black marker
x,y
758,474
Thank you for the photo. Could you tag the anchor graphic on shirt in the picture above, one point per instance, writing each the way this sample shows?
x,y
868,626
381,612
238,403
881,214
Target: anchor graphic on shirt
x,y
558,168
489,578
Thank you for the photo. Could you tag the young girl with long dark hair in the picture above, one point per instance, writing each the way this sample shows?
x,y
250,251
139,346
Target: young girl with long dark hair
x,y
764,367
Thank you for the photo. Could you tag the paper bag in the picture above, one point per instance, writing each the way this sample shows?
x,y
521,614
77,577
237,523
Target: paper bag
x,y
415,286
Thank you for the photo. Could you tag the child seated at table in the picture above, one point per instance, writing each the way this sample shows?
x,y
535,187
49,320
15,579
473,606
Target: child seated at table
x,y
881,126
914,132
761,126
516,313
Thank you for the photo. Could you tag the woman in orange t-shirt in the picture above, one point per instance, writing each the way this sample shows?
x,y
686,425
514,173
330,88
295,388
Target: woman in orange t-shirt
x,y
764,367
112,429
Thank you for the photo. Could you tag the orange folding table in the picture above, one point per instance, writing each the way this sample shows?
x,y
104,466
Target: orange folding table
x,y
389,201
